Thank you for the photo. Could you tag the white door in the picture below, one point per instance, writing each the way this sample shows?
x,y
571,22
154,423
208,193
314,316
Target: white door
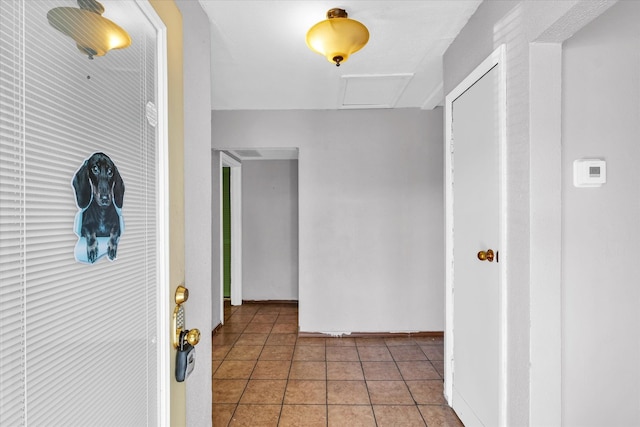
x,y
476,240
82,335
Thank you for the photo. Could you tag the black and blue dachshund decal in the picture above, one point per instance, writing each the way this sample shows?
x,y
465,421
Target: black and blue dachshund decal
x,y
99,195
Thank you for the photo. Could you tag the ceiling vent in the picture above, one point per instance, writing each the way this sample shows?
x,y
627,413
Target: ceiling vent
x,y
373,91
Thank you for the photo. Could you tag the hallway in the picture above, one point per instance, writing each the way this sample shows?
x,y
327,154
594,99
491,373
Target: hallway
x,y
265,375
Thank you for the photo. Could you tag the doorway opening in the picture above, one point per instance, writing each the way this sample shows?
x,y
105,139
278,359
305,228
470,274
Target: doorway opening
x,y
258,225
226,232
231,250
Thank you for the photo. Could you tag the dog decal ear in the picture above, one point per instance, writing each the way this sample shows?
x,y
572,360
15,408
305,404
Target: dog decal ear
x,y
82,186
118,188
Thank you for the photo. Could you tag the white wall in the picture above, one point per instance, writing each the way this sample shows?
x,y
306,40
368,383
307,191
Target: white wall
x,y
601,226
370,212
197,204
518,24
270,230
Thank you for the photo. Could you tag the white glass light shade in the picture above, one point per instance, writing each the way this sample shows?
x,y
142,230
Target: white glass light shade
x,y
94,34
337,37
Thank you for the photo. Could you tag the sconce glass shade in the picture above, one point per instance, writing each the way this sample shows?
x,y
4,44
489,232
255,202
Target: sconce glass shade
x,y
337,37
93,34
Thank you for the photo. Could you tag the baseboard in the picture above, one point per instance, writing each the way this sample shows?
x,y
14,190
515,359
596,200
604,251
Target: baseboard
x,y
216,329
429,334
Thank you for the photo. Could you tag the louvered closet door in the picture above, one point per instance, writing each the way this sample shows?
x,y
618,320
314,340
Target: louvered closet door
x,y
78,340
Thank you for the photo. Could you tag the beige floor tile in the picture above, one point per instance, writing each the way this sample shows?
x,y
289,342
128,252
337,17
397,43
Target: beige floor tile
x,y
427,392
407,352
344,371
365,342
235,328
282,339
224,338
381,371
305,392
269,318
308,370
285,328
340,342
309,352
374,353
287,318
395,416
258,328
347,393
418,370
252,339
240,318
433,352
351,416
234,369
306,341
389,393
439,366
221,413
395,341
227,391
271,370
342,353
264,392
429,341
256,416
244,352
439,416
219,352
303,415
215,364
277,352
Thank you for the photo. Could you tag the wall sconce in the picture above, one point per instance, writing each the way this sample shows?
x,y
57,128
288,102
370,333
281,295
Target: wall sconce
x,y
337,37
93,34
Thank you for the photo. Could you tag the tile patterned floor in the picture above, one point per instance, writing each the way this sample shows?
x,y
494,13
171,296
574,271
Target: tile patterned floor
x,y
265,375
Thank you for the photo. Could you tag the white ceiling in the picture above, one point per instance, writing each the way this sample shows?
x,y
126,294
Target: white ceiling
x,y
260,60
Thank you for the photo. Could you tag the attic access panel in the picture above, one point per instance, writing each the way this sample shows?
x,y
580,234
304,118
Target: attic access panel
x,y
373,91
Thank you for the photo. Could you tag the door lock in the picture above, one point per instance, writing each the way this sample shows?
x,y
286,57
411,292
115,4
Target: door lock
x,y
183,340
178,331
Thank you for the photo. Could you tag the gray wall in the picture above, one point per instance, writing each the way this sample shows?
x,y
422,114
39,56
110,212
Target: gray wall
x,y
533,268
601,226
203,306
270,230
370,212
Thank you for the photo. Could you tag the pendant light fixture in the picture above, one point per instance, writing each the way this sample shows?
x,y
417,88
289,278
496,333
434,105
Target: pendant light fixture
x,y
94,35
337,37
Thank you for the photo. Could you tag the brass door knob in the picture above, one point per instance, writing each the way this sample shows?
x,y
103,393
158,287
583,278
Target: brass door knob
x,y
193,336
486,256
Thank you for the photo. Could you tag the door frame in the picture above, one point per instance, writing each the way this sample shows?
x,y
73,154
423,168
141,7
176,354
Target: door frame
x,y
163,295
236,231
496,59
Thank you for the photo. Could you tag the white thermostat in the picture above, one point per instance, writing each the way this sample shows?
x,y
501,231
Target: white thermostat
x,y
589,172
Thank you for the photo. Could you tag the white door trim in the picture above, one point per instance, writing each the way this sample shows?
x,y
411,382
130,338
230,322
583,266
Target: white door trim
x,y
496,59
236,232
163,310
